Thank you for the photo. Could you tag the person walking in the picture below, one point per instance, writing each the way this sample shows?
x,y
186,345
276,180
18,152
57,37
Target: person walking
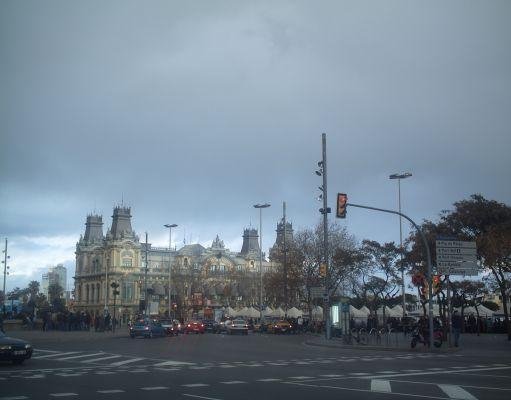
x,y
456,327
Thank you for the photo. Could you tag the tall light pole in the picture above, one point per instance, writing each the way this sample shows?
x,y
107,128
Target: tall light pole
x,y
6,267
170,226
260,207
399,177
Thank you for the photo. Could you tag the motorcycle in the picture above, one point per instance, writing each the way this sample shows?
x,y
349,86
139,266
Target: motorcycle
x,y
417,337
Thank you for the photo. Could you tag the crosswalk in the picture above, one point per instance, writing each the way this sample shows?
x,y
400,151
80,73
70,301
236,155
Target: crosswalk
x,y
107,359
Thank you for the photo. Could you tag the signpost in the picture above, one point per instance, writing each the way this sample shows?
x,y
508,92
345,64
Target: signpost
x,y
456,257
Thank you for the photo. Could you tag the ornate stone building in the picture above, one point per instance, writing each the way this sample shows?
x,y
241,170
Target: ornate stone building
x,y
201,279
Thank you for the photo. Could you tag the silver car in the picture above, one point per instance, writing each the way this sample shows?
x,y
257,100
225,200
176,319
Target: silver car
x,y
238,326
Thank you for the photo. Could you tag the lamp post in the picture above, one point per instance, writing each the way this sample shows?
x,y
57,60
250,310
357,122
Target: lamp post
x,y
115,292
6,272
260,207
399,177
170,226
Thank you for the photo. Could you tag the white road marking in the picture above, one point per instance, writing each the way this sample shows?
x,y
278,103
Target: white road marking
x,y
195,385
227,366
64,374
200,397
155,388
193,367
80,356
56,354
100,359
14,398
331,376
111,391
378,385
36,376
174,363
300,377
233,382
456,392
105,373
359,373
387,372
269,380
253,365
169,369
433,372
63,394
131,360
138,371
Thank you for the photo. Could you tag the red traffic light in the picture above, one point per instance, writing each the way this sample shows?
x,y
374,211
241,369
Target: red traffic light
x,y
342,200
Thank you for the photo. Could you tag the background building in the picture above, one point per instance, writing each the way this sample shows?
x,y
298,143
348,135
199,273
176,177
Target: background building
x,y
202,279
55,275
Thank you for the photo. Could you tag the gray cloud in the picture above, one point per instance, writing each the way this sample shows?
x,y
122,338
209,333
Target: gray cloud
x,y
193,112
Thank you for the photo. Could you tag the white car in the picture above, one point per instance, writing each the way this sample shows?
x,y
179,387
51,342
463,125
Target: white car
x,y
238,325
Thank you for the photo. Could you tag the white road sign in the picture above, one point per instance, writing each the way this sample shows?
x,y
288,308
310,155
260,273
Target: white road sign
x,y
455,257
456,243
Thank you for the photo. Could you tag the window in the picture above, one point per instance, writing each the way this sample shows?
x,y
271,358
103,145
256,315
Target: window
x,y
126,262
127,291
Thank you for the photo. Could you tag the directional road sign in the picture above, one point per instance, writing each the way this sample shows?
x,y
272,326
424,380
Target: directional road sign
x,y
455,257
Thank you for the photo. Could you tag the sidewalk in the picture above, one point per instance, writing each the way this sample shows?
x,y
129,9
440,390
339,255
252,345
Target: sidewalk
x,y
39,337
470,344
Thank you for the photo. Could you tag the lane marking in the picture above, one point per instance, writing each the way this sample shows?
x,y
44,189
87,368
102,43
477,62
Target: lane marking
x,y
111,391
174,363
56,354
64,374
105,372
301,377
36,376
456,392
233,382
191,385
100,359
269,380
467,386
63,394
14,398
200,397
378,385
80,356
155,388
387,372
119,363
227,366
433,372
331,376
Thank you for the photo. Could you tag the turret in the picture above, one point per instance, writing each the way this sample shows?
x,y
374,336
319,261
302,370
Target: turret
x,y
250,241
121,223
93,229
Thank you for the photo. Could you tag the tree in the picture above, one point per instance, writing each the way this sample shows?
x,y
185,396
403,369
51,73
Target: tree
x,y
383,262
467,293
488,222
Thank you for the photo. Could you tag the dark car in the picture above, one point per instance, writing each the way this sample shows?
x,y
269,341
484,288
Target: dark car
x,y
172,327
209,325
15,350
194,327
147,328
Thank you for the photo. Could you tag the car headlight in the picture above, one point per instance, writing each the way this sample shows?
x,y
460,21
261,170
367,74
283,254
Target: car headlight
x,y
28,346
6,347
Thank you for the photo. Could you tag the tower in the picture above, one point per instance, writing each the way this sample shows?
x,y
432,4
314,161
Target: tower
x,y
250,242
121,223
93,229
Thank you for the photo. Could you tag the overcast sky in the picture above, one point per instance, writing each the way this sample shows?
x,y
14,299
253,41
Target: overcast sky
x,y
191,112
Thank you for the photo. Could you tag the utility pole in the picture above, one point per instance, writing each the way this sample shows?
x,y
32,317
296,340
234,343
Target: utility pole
x,y
286,299
6,257
325,239
170,226
145,277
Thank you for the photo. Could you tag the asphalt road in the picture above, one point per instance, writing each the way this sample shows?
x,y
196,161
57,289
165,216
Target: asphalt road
x,y
103,366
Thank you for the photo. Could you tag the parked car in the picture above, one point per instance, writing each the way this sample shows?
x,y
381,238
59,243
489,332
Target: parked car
x,y
280,327
147,328
194,327
14,350
172,327
209,325
223,326
238,326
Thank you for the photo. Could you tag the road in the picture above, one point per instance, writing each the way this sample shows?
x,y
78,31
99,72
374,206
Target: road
x,y
104,366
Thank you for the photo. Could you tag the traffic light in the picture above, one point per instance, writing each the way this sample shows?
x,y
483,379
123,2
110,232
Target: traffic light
x,y
322,270
342,200
436,284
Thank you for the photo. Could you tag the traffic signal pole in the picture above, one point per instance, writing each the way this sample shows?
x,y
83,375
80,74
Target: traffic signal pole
x,y
428,257
325,241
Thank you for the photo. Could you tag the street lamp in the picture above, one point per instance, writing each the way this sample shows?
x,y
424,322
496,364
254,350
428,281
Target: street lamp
x,y
170,226
6,272
260,207
399,177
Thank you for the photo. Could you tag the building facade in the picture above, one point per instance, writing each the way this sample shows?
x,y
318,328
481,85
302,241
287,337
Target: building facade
x,y
201,279
55,275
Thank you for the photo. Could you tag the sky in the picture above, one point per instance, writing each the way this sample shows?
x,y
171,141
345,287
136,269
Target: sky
x,y
192,112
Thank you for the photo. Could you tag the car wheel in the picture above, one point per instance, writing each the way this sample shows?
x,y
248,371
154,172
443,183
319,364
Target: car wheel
x,y
18,361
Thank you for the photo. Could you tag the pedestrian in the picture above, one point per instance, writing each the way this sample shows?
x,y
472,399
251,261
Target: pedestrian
x,y
456,327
